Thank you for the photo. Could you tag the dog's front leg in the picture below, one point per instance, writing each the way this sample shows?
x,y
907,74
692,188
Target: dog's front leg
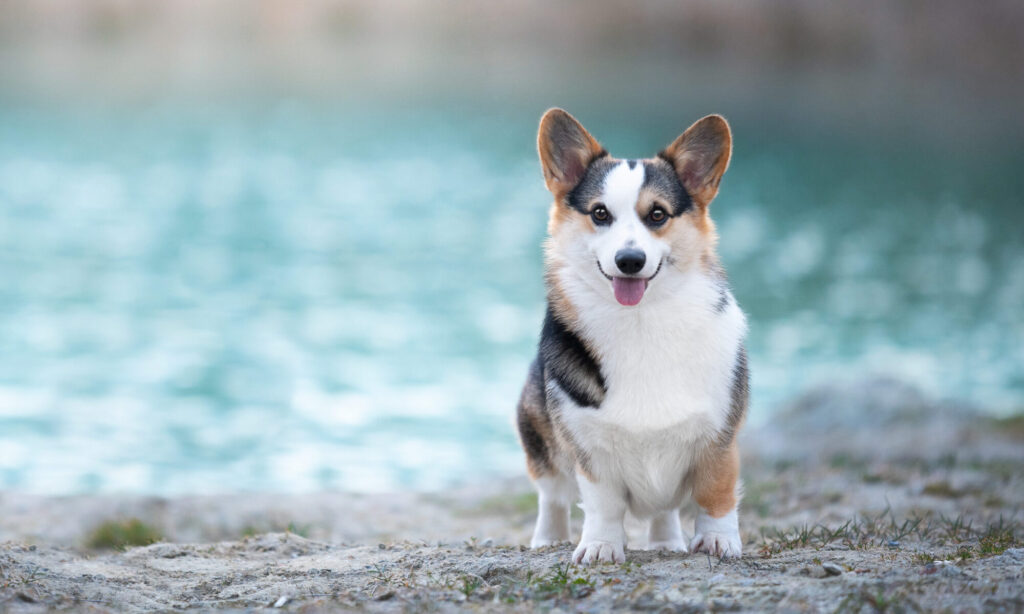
x,y
604,537
717,530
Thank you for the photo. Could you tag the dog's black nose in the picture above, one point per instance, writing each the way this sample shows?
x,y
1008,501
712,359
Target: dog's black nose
x,y
630,260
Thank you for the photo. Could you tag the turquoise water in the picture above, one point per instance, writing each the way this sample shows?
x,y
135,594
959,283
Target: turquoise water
x,y
300,299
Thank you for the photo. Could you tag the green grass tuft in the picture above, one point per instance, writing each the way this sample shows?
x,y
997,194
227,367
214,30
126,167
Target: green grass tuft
x,y
885,530
1013,426
879,600
120,534
999,537
523,503
943,489
563,580
469,583
302,530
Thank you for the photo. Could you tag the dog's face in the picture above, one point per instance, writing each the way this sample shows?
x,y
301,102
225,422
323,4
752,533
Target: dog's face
x,y
620,225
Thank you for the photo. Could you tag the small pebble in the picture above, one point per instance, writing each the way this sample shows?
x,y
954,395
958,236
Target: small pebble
x,y
893,543
280,602
832,569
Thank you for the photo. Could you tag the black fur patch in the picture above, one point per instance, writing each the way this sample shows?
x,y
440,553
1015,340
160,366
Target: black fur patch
x,y
567,361
660,177
740,397
723,299
592,185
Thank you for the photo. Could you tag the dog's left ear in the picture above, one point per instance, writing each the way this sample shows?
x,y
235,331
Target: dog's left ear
x,y
700,156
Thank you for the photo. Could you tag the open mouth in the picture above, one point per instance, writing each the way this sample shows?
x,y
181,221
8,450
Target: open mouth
x,y
629,290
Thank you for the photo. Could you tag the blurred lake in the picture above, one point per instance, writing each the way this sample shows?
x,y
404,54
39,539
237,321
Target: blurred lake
x,y
296,246
294,298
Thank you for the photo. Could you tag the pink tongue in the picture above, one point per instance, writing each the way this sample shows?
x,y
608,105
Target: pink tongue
x,y
628,291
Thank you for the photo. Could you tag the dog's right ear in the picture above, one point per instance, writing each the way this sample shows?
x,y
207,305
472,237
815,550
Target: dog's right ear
x,y
566,150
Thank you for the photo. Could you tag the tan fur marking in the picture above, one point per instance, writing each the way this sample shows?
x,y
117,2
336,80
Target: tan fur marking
x,y
711,264
533,425
693,240
535,467
646,201
558,216
715,480
665,230
562,215
569,225
564,310
704,224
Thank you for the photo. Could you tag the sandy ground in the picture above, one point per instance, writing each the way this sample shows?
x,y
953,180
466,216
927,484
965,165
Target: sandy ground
x,y
866,497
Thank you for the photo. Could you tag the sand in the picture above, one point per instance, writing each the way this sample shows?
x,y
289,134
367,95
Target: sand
x,y
866,497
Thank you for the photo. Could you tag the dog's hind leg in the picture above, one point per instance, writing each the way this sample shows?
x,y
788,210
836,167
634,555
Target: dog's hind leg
x,y
556,491
666,533
555,495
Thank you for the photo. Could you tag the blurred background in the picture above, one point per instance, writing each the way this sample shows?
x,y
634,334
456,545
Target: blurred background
x,y
295,246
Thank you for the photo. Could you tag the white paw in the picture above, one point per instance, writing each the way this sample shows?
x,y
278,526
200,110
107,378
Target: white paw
x,y
598,552
723,545
672,545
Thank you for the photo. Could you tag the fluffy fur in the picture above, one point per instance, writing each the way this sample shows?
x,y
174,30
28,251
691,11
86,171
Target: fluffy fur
x,y
635,406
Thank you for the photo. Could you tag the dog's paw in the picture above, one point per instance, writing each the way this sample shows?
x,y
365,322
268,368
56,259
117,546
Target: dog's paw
x,y
672,545
722,545
599,552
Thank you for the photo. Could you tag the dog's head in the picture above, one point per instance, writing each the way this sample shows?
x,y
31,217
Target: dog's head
x,y
617,225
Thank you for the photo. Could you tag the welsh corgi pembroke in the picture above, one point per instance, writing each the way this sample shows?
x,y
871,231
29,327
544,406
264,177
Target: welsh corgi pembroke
x,y
640,382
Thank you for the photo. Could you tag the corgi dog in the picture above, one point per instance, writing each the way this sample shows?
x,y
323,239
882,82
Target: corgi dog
x,y
640,383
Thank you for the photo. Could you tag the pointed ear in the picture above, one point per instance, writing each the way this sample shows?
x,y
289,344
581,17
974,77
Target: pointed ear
x,y
700,156
566,150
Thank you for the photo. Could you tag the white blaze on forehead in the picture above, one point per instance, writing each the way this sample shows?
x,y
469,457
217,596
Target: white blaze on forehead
x,y
622,187
620,193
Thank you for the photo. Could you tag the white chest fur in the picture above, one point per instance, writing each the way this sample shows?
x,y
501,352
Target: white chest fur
x,y
668,366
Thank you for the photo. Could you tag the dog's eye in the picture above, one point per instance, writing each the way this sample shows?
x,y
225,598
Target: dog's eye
x,y
600,215
657,216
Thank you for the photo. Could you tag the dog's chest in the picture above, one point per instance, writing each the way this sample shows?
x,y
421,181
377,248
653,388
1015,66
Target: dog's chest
x,y
669,373
667,368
